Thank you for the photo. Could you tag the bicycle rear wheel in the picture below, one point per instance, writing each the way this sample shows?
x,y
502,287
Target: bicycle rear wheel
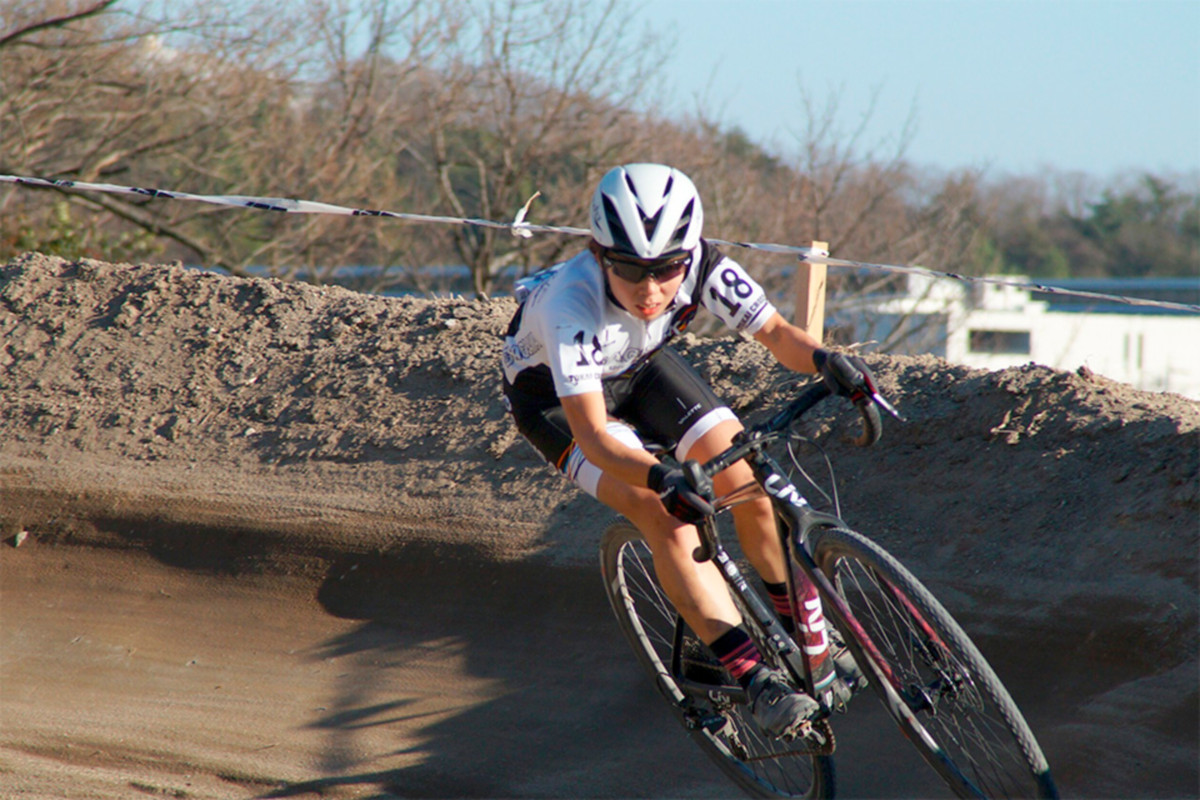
x,y
930,675
761,766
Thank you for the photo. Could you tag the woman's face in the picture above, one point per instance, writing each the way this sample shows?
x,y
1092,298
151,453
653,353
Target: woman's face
x,y
644,288
647,299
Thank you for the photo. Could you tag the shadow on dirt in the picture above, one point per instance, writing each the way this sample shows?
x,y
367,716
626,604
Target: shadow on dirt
x,y
569,713
565,710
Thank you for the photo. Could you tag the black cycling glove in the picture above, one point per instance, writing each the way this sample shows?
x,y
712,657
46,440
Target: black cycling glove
x,y
677,495
846,375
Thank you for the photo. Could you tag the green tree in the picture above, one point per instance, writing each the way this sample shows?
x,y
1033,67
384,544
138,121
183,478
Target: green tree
x,y
1148,229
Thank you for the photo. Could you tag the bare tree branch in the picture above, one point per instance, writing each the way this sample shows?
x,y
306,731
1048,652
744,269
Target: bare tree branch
x,y
14,37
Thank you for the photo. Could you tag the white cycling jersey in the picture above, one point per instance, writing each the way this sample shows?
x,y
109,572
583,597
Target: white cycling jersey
x,y
571,325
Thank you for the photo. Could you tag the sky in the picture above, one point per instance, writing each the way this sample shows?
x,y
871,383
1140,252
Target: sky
x,y
1015,87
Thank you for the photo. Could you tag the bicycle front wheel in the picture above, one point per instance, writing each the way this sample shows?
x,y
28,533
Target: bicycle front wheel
x,y
933,679
723,727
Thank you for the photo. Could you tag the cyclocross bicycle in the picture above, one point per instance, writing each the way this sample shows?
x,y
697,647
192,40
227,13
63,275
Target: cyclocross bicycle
x,y
931,678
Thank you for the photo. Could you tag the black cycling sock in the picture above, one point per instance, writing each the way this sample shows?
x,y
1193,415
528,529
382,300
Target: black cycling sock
x,y
737,653
779,599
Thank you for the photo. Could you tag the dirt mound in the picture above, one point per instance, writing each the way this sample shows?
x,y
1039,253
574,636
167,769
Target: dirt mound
x,y
390,408
258,426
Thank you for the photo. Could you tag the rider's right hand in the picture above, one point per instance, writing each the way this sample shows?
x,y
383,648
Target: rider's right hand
x,y
677,495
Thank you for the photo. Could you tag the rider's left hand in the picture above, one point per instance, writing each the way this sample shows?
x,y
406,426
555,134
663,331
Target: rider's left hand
x,y
848,376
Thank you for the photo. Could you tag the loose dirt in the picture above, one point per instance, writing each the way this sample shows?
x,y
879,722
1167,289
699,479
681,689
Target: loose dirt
x,y
271,539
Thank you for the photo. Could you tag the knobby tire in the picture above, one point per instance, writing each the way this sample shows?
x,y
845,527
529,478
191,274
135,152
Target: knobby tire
x,y
947,698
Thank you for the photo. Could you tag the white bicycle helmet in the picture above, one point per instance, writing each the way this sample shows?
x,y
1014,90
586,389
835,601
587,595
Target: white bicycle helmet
x,y
646,211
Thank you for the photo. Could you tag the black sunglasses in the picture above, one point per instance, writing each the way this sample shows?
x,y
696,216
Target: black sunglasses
x,y
636,270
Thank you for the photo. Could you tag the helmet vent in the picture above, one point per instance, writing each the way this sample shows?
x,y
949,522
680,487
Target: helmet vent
x,y
621,241
629,183
680,233
650,224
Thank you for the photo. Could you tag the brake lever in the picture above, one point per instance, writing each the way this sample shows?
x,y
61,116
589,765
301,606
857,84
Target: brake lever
x,y
882,402
699,480
694,472
873,394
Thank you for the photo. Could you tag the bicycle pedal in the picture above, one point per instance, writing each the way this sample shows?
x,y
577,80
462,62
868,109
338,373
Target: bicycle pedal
x,y
816,738
803,731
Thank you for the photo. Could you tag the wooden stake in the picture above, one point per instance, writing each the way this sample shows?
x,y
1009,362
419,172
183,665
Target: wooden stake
x,y
810,294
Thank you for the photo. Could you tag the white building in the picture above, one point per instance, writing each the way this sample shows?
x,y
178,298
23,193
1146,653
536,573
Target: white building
x,y
995,326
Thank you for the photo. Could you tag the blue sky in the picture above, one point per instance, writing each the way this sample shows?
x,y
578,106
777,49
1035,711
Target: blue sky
x,y
1102,87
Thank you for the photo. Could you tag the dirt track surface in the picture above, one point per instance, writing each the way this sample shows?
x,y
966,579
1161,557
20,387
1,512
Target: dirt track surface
x,y
281,540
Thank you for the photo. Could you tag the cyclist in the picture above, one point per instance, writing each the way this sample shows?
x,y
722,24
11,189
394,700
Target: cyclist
x,y
586,362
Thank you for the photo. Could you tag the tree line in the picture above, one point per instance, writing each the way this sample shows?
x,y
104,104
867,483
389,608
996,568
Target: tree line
x,y
467,108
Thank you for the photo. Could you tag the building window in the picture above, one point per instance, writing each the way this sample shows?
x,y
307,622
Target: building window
x,y
999,342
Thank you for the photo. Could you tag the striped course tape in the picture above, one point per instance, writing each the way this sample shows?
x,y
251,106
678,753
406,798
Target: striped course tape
x,y
519,227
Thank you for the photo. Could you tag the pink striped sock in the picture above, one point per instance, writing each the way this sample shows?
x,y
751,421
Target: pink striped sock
x,y
737,653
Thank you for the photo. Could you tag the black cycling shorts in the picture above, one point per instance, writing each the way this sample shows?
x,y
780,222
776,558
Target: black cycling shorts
x,y
662,399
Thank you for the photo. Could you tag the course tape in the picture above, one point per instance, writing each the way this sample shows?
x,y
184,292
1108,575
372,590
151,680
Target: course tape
x,y
519,227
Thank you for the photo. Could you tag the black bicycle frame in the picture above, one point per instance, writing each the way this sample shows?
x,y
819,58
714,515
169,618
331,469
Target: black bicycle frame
x,y
798,518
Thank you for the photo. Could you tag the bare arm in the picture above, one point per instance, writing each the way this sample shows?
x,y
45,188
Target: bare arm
x,y
588,419
790,345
